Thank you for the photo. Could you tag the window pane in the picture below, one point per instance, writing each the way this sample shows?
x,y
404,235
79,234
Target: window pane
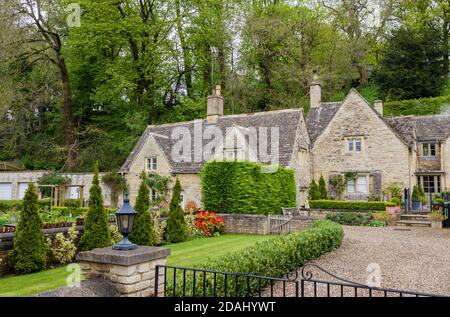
x,y
154,164
433,149
350,145
425,150
351,186
358,145
362,184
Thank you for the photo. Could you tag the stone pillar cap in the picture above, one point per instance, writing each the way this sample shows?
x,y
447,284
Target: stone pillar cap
x,y
109,256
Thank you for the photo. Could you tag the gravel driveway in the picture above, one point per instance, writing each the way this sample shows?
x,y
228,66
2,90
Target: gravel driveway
x,y
414,259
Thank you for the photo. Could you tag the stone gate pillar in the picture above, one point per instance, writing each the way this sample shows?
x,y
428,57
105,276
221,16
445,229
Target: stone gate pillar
x,y
132,273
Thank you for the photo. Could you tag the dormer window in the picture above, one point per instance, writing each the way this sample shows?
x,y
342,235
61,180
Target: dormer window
x,y
354,145
151,164
429,149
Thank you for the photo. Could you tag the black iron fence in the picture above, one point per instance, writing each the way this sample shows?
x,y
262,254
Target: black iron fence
x,y
176,281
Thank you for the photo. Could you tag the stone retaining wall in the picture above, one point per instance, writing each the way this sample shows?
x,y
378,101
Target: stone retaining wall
x,y
259,224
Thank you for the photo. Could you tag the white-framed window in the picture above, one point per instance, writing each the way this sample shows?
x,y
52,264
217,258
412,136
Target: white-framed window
x,y
151,164
358,185
153,195
429,149
354,145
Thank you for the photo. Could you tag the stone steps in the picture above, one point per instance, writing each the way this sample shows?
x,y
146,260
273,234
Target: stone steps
x,y
414,223
418,217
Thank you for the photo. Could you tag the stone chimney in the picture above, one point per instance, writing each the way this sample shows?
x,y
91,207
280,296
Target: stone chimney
x,y
378,106
214,106
315,92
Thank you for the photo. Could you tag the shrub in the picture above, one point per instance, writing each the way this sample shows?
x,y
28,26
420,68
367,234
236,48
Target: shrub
x,y
29,250
192,230
377,223
396,201
382,216
142,233
243,187
159,228
62,249
209,223
348,205
96,232
275,258
350,218
115,235
393,190
16,205
190,207
176,230
116,183
313,191
436,215
4,219
323,193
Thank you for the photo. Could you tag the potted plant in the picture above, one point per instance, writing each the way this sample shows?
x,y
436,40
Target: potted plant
x,y
436,217
393,207
416,198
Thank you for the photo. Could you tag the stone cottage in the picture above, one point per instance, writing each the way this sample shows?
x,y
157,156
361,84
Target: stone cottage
x,y
344,138
352,137
273,137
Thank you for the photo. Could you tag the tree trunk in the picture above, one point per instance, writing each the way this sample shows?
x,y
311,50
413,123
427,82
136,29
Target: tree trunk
x,y
186,55
70,139
445,48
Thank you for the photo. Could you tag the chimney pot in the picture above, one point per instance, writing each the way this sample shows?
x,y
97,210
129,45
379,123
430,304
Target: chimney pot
x,y
215,105
315,92
378,106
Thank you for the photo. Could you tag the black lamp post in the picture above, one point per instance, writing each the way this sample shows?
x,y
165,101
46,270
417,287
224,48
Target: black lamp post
x,y
125,220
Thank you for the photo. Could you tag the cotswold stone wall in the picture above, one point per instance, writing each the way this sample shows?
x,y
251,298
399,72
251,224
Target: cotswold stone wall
x,y
259,224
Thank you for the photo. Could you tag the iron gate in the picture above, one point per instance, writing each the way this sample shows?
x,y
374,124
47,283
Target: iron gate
x,y
176,281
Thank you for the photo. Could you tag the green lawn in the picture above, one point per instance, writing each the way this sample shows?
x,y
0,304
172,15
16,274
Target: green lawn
x,y
198,251
182,254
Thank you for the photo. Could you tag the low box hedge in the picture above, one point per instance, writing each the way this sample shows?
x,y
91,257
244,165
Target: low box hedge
x,y
16,205
273,258
348,205
350,218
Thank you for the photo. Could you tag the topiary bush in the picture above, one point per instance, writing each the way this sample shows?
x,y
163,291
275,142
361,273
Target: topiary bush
x,y
29,253
323,193
275,258
242,188
142,233
176,230
313,191
96,233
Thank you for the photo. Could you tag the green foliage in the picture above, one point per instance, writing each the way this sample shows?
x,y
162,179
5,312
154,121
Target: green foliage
x,y
350,218
410,66
313,191
418,194
142,233
161,185
382,216
275,258
116,183
397,201
377,223
417,107
338,183
96,233
62,248
176,230
16,205
393,190
242,187
52,179
323,193
29,249
347,205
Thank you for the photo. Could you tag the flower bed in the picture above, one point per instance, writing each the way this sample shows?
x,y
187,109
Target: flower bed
x,y
209,223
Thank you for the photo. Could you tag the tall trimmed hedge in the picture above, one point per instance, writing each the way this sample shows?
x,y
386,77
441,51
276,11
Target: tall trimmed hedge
x,y
240,187
275,258
417,107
